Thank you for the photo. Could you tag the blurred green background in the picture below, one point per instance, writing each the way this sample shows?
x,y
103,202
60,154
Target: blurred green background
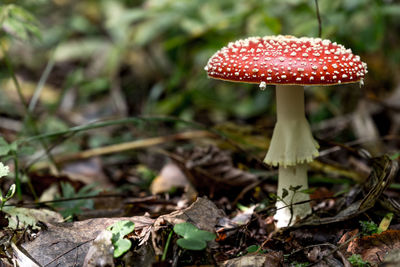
x,y
90,60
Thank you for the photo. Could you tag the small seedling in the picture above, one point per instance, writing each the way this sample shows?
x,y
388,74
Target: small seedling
x,y
119,230
14,151
10,193
300,264
357,261
75,207
192,237
369,228
253,249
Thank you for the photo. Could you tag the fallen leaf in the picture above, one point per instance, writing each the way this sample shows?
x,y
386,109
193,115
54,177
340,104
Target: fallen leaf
x,y
202,213
101,251
66,244
211,170
383,172
270,259
24,217
392,259
374,248
21,258
170,177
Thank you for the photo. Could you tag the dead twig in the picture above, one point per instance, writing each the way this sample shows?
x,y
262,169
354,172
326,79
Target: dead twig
x,y
319,19
137,144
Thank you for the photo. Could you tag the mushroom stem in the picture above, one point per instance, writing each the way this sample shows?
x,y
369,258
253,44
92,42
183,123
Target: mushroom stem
x,y
292,147
289,103
292,140
287,210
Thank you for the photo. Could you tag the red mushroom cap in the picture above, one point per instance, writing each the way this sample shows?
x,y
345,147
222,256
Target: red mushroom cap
x,y
286,60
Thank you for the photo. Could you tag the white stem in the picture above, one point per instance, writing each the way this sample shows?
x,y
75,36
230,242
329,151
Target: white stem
x,y
292,140
292,147
292,176
289,103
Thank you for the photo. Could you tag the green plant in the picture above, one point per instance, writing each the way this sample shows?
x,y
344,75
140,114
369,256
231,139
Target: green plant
x,y
119,230
192,237
74,207
369,228
300,264
18,22
11,191
357,261
164,256
254,248
10,151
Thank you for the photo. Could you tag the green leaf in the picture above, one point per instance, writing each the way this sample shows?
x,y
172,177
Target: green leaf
x,y
357,261
193,238
368,228
4,147
122,228
26,150
74,207
14,146
191,244
284,193
121,246
10,192
308,191
252,248
119,230
295,188
18,22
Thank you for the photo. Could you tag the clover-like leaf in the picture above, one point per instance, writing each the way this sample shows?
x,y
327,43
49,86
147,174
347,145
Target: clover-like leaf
x,y
119,230
10,192
295,188
4,170
284,192
4,147
191,244
121,246
192,237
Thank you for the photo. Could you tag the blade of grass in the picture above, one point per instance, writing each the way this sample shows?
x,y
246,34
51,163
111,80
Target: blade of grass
x,y
164,256
127,146
29,118
41,83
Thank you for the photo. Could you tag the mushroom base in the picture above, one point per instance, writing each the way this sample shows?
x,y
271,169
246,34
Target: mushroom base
x,y
292,143
292,176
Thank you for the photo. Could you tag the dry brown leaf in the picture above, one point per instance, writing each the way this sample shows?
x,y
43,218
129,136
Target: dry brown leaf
x,y
392,259
170,177
365,128
375,247
66,244
211,170
24,217
100,252
271,259
202,213
383,172
87,171
49,94
21,258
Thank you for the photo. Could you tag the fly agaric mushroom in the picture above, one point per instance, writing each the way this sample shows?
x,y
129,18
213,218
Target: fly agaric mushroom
x,y
289,63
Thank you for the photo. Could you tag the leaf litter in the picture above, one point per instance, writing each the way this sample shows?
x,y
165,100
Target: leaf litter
x,y
54,243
